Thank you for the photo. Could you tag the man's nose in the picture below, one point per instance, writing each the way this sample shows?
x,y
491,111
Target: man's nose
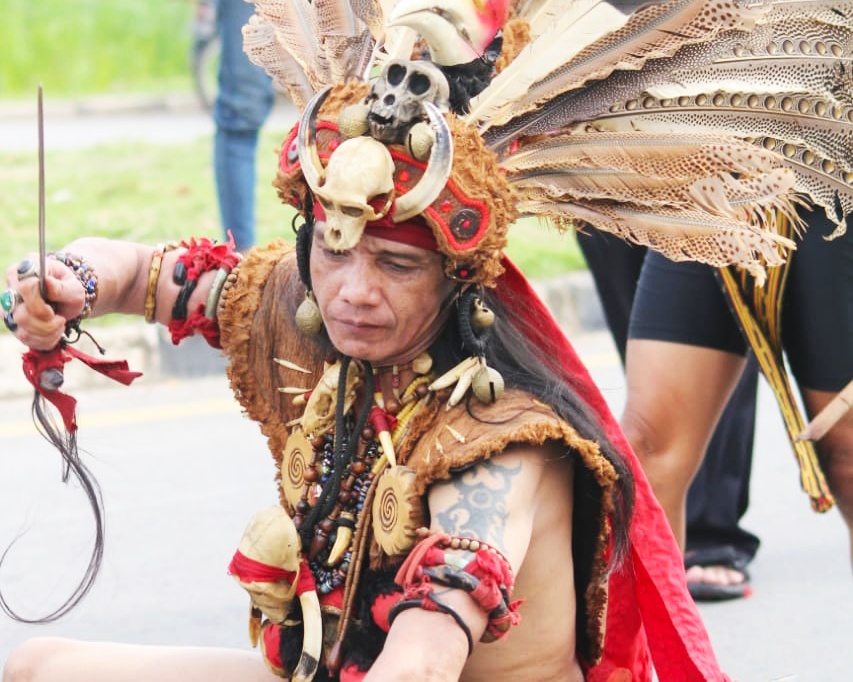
x,y
359,285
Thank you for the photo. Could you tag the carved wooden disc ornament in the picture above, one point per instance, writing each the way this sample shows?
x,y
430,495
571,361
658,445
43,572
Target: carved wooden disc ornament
x,y
397,512
297,457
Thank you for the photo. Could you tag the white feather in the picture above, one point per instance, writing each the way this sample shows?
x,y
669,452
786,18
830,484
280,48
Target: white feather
x,y
262,48
582,23
542,14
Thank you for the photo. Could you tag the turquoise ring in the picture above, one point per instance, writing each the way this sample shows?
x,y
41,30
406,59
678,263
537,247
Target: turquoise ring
x,y
9,299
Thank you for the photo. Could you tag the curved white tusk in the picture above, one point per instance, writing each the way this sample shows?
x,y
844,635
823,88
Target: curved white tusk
x,y
452,375
342,541
388,447
312,641
306,145
416,200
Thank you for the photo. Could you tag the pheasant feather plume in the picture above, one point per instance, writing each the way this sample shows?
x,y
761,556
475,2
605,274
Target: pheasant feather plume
x,y
689,126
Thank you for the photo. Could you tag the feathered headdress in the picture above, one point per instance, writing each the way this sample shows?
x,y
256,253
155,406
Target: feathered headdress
x,y
694,127
689,127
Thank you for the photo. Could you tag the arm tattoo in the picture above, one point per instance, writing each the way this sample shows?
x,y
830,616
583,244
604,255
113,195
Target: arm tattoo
x,y
480,510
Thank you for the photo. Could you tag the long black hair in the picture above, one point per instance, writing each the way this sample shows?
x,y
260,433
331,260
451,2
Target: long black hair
x,y
528,360
73,467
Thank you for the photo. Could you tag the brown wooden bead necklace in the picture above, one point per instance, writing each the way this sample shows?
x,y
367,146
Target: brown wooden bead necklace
x,y
341,474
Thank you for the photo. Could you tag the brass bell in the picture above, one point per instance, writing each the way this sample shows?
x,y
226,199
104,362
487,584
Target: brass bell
x,y
482,317
488,385
308,318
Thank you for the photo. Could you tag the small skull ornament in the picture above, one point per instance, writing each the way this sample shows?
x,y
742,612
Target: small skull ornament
x,y
396,99
359,176
319,416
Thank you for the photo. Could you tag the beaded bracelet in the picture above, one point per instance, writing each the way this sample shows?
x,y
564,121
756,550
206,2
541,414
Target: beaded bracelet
x,y
486,577
154,278
86,276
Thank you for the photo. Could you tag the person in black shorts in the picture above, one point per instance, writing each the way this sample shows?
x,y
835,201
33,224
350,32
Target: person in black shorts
x,y
717,549
685,353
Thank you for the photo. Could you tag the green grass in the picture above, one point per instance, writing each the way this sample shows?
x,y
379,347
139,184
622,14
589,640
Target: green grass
x,y
153,193
140,192
541,252
156,193
149,193
84,47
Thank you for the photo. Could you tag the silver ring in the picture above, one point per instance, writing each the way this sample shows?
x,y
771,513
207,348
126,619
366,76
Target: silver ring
x,y
10,299
27,269
11,325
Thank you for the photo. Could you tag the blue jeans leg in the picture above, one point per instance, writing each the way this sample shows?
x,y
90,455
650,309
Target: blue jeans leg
x,y
244,101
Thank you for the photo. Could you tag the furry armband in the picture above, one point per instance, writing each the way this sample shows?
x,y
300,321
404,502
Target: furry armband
x,y
487,578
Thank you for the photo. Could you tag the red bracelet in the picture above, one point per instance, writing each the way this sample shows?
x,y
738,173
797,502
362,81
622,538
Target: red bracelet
x,y
487,578
201,255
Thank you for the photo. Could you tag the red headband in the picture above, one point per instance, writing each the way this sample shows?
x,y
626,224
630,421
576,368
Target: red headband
x,y
412,232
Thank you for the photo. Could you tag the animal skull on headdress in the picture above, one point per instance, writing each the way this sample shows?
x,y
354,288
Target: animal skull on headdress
x,y
271,539
359,176
406,206
395,102
319,415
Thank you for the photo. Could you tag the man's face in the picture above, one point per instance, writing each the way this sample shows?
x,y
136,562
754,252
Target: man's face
x,y
380,301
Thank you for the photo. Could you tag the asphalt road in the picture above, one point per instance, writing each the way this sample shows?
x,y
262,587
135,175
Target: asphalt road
x,y
182,470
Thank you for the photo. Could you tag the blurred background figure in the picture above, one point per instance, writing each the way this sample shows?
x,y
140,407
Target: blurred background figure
x,y
243,102
717,549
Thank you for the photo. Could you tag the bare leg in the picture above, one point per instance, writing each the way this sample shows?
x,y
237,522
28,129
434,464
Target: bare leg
x,y
48,658
676,394
835,450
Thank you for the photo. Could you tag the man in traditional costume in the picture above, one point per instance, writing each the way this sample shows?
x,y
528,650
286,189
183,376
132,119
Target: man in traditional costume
x,y
456,501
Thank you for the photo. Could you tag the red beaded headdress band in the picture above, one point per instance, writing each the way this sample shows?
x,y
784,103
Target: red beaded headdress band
x,y
412,232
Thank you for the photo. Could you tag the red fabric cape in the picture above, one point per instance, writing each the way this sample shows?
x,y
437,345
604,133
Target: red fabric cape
x,y
651,617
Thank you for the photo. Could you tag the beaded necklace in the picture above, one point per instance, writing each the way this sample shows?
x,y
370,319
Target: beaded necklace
x,y
345,465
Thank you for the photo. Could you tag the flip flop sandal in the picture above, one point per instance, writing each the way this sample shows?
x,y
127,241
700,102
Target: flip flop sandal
x,y
727,557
